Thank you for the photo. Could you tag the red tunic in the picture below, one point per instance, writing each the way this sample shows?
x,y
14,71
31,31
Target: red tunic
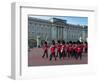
x,y
69,48
52,48
45,47
86,48
74,48
79,50
59,47
82,46
63,48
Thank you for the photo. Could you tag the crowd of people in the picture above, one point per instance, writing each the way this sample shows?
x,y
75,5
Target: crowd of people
x,y
63,50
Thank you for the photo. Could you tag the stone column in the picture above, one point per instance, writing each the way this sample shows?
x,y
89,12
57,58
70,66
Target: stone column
x,y
57,33
62,33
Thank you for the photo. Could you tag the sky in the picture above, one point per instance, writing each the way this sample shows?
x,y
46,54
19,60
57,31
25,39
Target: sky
x,y
70,19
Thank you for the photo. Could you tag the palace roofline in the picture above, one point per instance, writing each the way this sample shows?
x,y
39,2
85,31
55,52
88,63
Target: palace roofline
x,y
50,22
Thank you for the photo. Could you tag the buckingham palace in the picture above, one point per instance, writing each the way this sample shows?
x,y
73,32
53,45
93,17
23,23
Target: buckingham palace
x,y
40,30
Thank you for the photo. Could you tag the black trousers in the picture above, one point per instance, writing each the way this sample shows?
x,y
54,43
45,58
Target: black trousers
x,y
45,53
52,55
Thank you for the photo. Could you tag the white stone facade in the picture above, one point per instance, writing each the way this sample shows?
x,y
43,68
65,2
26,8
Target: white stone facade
x,y
55,29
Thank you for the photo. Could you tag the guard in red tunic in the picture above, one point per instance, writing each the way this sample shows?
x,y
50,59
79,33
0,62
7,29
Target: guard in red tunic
x,y
59,49
52,50
69,50
79,51
86,47
73,50
67,46
45,49
82,47
63,49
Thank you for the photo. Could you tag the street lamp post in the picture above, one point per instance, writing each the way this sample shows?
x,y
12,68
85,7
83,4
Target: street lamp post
x,y
80,39
38,41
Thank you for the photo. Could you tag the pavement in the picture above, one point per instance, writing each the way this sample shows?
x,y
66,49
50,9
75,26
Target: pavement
x,y
35,59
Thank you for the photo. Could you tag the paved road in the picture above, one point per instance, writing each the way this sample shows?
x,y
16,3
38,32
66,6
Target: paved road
x,y
35,59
